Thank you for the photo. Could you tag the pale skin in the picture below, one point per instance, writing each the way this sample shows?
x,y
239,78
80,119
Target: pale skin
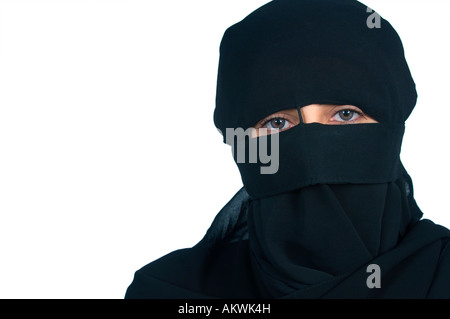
x,y
314,113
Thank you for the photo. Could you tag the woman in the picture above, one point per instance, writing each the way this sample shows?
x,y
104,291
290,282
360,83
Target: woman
x,y
337,218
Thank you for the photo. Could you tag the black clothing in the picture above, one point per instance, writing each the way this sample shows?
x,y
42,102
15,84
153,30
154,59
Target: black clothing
x,y
223,264
292,53
341,200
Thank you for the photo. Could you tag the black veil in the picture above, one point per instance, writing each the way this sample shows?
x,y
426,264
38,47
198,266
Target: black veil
x,y
341,199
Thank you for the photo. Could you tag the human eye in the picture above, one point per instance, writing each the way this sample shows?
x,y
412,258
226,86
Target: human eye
x,y
277,123
347,115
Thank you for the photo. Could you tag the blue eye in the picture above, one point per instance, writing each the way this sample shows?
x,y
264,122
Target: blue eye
x,y
277,123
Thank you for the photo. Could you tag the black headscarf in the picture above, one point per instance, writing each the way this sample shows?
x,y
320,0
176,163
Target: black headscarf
x,y
341,199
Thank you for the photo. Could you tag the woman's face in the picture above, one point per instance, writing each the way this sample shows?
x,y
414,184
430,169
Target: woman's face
x,y
313,113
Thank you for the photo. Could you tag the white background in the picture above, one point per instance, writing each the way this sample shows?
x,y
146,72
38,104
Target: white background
x,y
109,157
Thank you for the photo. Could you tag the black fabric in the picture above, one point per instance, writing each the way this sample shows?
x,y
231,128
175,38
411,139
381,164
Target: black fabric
x,y
292,53
333,154
341,199
223,264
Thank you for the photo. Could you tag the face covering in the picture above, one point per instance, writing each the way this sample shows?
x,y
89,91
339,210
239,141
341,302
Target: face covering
x,y
290,54
340,196
339,199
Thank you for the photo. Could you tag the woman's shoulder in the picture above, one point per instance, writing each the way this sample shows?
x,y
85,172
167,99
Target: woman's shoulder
x,y
203,271
441,283
174,275
437,236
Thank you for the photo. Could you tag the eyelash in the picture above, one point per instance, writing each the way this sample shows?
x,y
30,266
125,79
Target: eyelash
x,y
273,118
281,116
360,113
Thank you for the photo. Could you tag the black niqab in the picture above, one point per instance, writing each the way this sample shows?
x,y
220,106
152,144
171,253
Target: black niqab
x,y
341,199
